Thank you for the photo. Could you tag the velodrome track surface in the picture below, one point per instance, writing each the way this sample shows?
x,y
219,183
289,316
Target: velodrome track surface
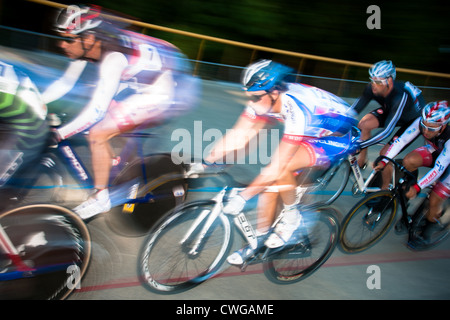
x,y
404,274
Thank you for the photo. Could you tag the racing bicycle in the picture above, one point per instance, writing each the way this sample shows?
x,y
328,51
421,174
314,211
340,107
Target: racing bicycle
x,y
372,217
142,187
190,244
44,252
324,186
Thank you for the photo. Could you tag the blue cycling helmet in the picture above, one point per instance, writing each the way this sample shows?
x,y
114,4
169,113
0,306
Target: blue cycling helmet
x,y
264,75
383,69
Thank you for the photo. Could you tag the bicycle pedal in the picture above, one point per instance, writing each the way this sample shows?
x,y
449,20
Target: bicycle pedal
x,y
400,228
248,262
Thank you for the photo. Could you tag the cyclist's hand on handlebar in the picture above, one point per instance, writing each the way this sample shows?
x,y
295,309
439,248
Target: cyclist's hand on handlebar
x,y
235,205
380,163
379,166
54,139
412,191
195,169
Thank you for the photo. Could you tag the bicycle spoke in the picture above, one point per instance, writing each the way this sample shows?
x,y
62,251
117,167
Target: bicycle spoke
x,y
169,266
296,263
367,222
53,241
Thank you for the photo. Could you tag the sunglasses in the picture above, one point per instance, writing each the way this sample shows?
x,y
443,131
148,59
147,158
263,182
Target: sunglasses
x,y
378,82
431,129
69,40
255,98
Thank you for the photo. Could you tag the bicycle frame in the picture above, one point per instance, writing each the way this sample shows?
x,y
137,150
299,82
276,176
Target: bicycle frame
x,y
81,174
240,221
11,251
363,185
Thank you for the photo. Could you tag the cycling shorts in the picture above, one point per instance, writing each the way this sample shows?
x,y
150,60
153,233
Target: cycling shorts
x,y
381,117
326,150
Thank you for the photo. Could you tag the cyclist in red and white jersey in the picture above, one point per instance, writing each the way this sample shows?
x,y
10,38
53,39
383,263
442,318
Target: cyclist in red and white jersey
x,y
317,132
142,81
432,125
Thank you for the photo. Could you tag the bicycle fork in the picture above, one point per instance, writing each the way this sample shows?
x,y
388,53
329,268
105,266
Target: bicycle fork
x,y
210,216
8,247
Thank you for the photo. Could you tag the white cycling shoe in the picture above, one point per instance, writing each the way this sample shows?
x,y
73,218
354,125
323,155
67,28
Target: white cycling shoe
x,y
239,257
96,204
284,232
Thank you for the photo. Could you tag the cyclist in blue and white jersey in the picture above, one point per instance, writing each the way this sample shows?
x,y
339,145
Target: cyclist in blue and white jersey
x,y
400,104
432,125
141,82
317,132
23,128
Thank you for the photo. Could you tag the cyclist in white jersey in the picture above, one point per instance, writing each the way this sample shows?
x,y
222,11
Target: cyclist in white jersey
x,y
317,131
432,125
142,81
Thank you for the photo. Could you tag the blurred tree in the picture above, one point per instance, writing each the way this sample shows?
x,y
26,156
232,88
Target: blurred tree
x,y
414,34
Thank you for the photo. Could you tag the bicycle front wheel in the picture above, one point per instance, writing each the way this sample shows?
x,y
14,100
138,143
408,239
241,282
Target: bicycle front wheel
x,y
172,260
297,263
56,246
368,221
328,186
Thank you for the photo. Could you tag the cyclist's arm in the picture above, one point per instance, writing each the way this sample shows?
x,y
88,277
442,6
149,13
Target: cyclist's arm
x,y
441,164
409,135
391,123
110,74
238,138
364,100
64,84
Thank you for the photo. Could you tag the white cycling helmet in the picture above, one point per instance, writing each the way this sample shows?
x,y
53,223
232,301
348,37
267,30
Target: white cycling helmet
x,y
383,69
436,112
76,20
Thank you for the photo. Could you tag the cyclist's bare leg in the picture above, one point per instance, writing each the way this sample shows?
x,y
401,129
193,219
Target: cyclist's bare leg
x,y
301,159
285,162
267,210
386,174
412,162
436,206
368,123
102,154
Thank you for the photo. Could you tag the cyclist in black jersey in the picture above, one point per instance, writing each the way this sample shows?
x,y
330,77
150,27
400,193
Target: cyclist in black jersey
x,y
400,104
23,127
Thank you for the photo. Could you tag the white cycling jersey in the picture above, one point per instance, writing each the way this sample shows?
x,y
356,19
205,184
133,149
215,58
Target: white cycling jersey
x,y
146,72
442,161
311,112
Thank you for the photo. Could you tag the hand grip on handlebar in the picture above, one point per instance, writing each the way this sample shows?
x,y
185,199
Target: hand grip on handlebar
x,y
411,178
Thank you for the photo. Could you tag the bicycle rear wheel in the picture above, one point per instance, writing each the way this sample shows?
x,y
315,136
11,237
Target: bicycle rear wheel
x,y
439,233
51,240
368,221
166,263
298,262
160,186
